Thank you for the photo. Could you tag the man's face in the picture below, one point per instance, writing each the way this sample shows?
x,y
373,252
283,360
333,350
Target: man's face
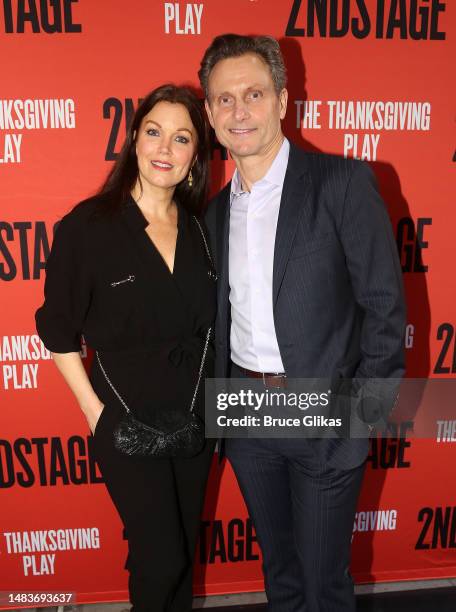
x,y
243,106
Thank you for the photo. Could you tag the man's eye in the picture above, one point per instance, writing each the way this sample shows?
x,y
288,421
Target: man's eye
x,y
225,100
255,95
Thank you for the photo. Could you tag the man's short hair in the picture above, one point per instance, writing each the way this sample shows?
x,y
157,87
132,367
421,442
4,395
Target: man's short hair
x,y
235,45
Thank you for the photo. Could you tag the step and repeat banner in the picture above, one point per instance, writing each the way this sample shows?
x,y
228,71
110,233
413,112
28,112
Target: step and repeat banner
x,y
370,79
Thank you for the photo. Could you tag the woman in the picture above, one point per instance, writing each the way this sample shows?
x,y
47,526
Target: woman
x,y
130,271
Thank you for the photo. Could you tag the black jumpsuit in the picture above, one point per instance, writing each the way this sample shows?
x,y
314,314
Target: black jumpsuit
x,y
106,280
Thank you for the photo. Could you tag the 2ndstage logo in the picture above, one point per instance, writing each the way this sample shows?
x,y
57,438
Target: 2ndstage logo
x,y
40,16
384,19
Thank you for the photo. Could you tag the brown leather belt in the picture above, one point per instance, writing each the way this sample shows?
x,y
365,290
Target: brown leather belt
x,y
270,379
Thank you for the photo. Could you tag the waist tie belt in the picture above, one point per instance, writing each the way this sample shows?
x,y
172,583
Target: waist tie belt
x,y
175,349
186,347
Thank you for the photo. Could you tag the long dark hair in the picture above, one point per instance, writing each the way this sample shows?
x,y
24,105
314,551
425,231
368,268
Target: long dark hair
x,y
124,173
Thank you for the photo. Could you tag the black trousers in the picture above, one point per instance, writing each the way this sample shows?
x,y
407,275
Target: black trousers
x,y
160,503
303,512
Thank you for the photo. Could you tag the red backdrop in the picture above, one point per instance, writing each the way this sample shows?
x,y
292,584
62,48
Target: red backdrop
x,y
367,79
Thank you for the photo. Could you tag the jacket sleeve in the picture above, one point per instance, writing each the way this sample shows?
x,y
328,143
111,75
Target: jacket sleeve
x,y
376,277
60,320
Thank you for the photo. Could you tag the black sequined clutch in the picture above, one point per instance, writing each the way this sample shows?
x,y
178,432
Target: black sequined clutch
x,y
133,437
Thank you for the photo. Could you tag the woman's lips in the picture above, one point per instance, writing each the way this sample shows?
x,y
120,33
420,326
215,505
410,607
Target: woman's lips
x,y
159,165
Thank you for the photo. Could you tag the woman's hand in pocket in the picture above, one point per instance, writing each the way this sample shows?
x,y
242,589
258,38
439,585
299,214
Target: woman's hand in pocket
x,y
93,414
72,369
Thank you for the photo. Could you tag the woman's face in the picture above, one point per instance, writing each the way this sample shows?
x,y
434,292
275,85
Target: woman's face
x,y
165,146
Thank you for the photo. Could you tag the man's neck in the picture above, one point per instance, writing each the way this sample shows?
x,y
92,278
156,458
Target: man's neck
x,y
253,168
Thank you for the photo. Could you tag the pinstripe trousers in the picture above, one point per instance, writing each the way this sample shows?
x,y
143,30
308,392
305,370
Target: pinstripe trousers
x,y
303,512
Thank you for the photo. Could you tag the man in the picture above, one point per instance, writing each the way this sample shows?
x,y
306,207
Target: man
x,y
309,286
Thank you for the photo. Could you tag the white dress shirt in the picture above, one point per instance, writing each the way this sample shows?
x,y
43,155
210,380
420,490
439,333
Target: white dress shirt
x,y
253,224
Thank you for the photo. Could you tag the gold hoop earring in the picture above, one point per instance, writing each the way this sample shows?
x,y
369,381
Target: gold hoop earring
x,y
190,179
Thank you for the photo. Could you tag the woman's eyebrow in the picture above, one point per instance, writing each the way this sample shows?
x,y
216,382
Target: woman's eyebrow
x,y
178,129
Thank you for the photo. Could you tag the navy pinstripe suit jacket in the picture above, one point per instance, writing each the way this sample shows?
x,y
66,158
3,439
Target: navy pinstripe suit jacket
x,y
337,284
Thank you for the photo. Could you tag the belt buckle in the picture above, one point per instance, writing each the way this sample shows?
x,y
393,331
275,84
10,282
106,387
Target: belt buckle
x,y
277,375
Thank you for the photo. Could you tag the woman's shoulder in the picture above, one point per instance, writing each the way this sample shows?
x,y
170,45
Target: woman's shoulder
x,y
89,211
87,208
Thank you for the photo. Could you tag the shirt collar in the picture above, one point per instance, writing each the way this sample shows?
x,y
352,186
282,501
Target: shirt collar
x,y
274,176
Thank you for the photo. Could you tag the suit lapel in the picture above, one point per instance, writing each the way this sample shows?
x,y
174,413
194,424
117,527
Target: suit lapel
x,y
223,231
223,324
296,188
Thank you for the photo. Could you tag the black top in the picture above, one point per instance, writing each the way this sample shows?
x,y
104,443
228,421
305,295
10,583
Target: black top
x,y
105,279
